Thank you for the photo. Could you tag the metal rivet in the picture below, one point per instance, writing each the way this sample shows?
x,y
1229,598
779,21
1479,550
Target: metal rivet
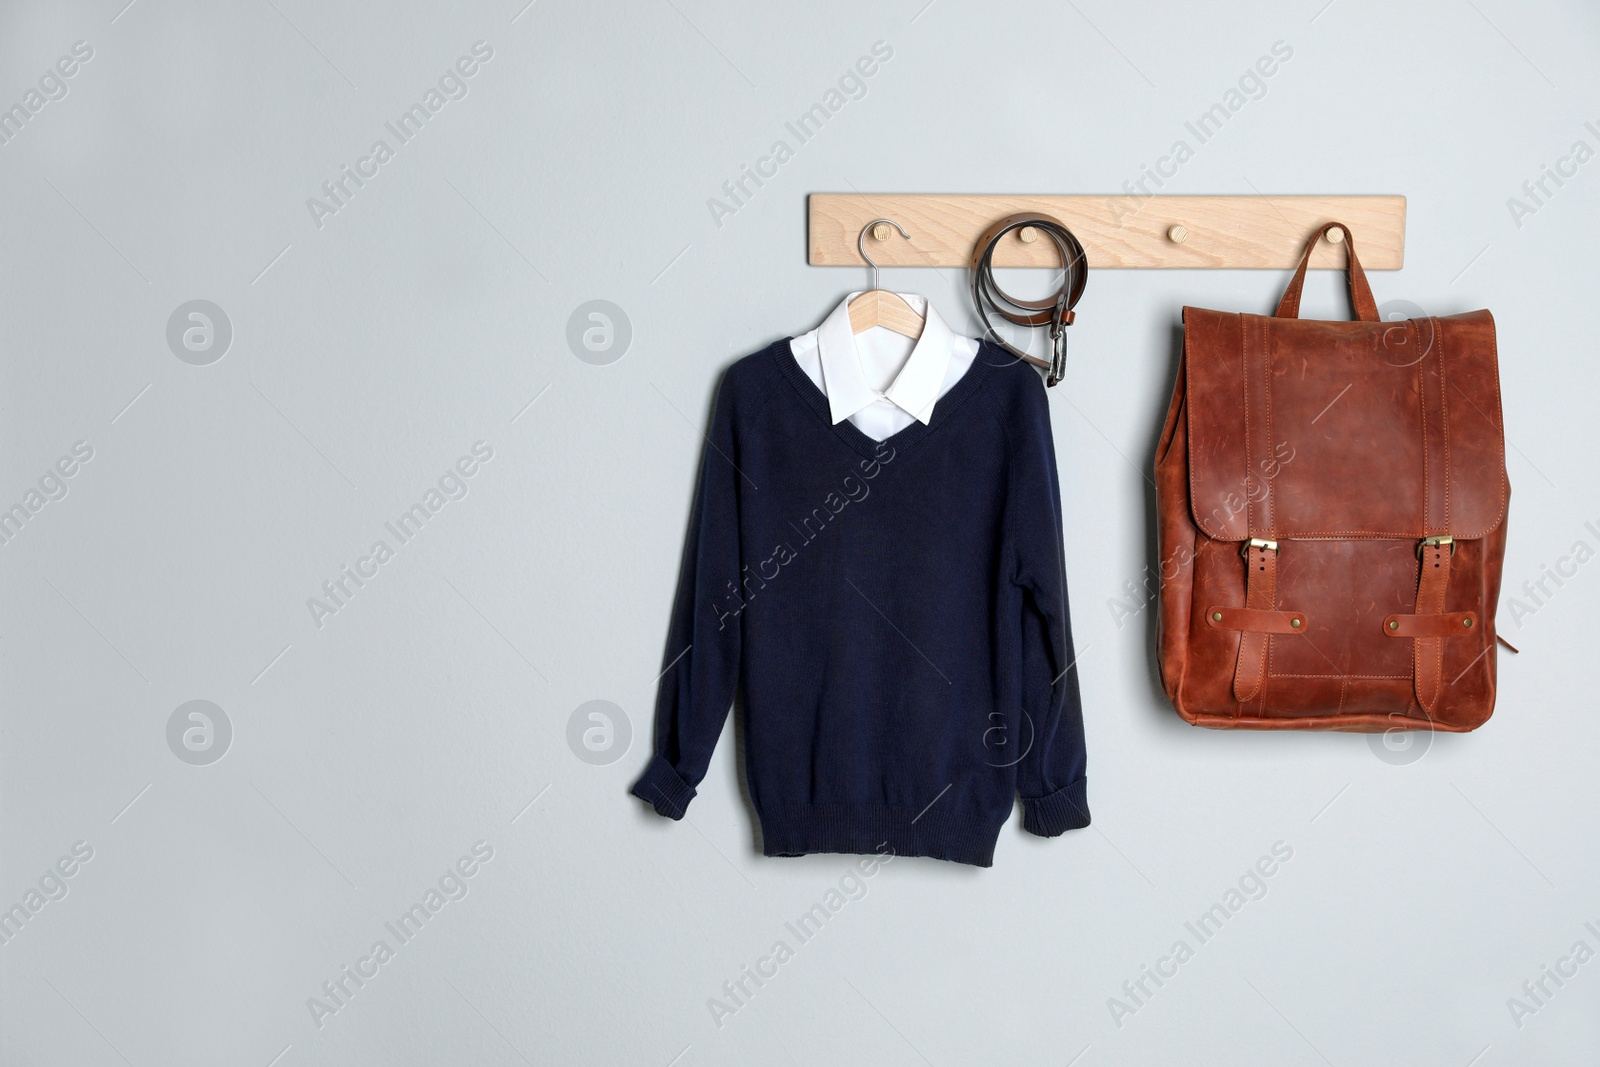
x,y
1216,616
1295,623
1394,624
1177,233
1466,622
1027,235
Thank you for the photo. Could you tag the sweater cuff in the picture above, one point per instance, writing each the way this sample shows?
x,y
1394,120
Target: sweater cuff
x,y
663,789
1065,809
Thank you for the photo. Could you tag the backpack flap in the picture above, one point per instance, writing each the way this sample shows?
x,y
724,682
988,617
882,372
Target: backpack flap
x,y
1302,429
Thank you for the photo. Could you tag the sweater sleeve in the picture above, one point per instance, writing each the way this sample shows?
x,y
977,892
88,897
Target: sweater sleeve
x,y
703,642
1051,776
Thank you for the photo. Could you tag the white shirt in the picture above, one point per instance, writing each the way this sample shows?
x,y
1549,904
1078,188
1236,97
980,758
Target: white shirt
x,y
879,380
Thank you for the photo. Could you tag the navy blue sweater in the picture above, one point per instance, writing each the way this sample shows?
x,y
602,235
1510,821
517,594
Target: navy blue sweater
x,y
895,613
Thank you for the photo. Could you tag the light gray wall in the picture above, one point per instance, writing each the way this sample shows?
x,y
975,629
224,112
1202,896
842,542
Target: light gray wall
x,y
371,352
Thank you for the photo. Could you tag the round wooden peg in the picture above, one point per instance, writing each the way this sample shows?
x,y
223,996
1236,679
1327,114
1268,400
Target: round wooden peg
x,y
880,232
1177,233
1027,235
1335,235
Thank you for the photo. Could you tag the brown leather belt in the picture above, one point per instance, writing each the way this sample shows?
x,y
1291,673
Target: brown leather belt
x,y
1054,312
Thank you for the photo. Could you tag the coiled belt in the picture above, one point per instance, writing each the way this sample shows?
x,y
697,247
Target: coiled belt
x,y
1054,312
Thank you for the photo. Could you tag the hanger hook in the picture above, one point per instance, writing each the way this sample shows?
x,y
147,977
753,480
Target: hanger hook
x,y
861,244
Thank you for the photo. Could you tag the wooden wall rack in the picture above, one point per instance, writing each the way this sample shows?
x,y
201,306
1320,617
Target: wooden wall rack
x,y
1187,232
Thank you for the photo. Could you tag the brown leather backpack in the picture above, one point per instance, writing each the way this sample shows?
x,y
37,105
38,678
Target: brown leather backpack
x,y
1332,501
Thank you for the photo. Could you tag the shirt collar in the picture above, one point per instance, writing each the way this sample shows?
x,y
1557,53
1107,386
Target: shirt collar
x,y
915,388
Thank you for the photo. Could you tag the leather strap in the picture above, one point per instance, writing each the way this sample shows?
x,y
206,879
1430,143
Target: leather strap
x,y
1053,311
1446,624
1256,621
1427,653
1261,563
1360,292
1261,590
1433,582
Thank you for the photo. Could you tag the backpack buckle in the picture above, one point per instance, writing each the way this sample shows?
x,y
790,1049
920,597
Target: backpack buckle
x,y
1257,542
1436,542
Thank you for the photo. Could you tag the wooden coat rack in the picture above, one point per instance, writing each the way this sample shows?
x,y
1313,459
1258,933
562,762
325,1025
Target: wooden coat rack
x,y
1188,232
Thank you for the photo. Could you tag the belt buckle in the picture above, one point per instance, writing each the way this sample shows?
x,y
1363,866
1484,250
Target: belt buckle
x,y
1058,356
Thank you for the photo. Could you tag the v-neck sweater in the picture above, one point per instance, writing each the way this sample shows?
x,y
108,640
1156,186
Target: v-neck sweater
x,y
895,614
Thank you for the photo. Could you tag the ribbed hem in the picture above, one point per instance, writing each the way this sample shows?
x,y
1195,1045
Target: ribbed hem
x,y
870,831
1065,809
663,789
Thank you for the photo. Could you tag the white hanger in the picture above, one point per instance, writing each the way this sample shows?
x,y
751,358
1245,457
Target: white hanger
x,y
879,307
